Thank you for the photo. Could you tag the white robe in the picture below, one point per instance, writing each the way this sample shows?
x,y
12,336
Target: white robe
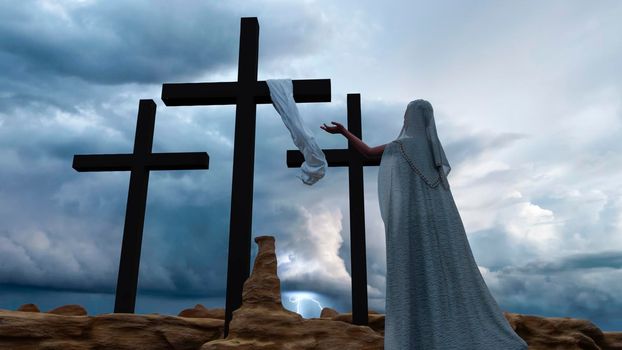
x,y
436,298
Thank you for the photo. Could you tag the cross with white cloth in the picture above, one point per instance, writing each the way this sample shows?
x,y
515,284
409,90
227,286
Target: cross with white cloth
x,y
245,93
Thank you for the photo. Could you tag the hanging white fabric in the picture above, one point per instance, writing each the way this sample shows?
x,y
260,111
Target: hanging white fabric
x,y
314,166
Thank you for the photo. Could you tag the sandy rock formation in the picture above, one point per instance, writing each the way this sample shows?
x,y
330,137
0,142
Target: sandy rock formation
x,y
375,320
200,311
328,313
69,310
28,308
263,323
29,331
562,333
613,341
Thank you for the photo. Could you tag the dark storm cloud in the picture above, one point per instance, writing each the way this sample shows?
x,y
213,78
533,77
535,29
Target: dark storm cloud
x,y
140,41
567,287
107,43
186,229
577,262
72,77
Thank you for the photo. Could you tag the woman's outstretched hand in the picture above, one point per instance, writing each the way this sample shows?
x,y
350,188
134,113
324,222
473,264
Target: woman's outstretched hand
x,y
337,129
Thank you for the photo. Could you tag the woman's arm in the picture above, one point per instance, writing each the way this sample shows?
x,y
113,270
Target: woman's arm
x,y
359,145
377,151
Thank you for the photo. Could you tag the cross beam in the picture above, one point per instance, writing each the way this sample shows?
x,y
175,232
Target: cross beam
x,y
200,94
245,93
139,163
355,162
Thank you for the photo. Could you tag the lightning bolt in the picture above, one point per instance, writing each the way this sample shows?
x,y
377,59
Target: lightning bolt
x,y
298,299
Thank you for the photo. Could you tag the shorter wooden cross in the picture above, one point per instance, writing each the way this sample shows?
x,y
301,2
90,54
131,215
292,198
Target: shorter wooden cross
x,y
139,163
351,158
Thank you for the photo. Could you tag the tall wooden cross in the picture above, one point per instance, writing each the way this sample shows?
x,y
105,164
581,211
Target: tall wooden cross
x,y
355,162
139,163
245,93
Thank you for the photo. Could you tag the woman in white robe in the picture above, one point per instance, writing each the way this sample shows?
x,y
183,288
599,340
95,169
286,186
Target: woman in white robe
x,y
436,298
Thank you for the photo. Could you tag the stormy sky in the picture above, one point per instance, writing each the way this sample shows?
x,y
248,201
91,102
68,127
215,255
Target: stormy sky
x,y
528,104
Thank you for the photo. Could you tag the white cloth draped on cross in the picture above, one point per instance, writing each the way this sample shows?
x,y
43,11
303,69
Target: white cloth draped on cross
x,y
314,166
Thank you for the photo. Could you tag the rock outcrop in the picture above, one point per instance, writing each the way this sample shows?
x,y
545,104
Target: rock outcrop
x,y
29,308
29,331
69,310
328,313
562,333
263,323
375,321
200,311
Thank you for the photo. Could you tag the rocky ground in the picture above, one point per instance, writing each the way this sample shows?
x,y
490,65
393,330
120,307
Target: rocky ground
x,y
261,323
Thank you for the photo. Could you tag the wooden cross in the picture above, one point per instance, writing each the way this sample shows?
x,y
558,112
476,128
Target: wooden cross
x,y
139,163
245,93
355,162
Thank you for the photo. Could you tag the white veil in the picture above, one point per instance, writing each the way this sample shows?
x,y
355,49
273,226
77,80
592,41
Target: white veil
x,y
419,125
